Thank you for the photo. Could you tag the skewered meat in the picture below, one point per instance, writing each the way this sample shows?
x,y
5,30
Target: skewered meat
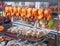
x,y
34,13
24,11
47,11
18,11
29,12
6,9
47,14
40,13
14,11
10,9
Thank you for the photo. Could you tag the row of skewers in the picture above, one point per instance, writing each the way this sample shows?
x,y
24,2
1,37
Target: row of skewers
x,y
32,13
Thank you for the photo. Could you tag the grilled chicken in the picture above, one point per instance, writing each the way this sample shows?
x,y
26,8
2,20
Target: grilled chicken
x,y
29,12
40,13
24,12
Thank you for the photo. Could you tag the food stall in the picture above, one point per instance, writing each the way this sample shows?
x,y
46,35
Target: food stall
x,y
28,23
